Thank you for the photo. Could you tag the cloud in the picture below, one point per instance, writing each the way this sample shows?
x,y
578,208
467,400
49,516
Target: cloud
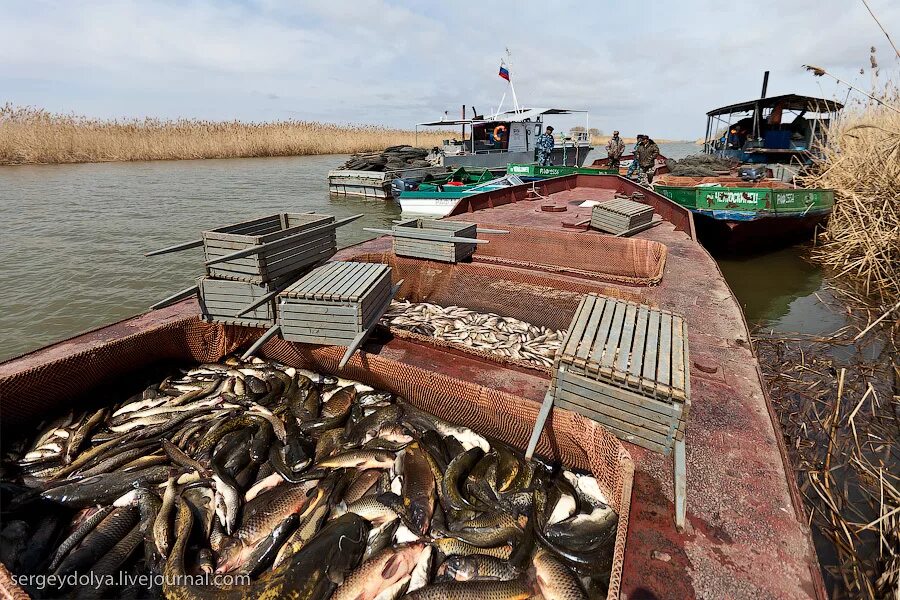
x,y
656,68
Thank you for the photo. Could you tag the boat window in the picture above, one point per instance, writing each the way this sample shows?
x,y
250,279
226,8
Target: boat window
x,y
491,136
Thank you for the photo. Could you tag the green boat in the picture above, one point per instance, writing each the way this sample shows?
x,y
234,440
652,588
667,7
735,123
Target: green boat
x,y
747,218
532,171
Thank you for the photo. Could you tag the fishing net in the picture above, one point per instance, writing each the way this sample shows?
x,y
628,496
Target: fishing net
x,y
56,379
597,257
679,181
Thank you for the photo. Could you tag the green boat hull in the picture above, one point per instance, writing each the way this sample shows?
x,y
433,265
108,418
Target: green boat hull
x,y
537,171
749,204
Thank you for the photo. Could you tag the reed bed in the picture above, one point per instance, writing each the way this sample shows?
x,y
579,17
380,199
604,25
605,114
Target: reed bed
x,y
836,398
861,162
34,136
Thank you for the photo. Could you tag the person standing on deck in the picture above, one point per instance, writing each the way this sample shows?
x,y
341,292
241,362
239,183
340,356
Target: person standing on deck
x,y
545,148
615,148
633,167
646,154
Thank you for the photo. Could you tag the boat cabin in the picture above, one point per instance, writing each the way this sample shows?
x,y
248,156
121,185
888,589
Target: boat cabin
x,y
509,137
778,129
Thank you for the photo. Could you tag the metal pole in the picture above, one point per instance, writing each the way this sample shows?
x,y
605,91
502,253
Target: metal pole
x,y
765,85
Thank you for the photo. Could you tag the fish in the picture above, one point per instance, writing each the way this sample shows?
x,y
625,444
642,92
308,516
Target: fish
x,y
418,489
473,590
379,573
360,459
475,567
308,484
554,580
106,534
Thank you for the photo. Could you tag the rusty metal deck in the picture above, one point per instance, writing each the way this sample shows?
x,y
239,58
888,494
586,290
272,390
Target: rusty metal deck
x,y
746,535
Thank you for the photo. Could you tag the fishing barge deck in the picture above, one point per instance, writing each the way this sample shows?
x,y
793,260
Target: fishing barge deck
x,y
746,534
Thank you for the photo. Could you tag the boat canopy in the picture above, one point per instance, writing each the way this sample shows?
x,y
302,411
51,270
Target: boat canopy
x,y
786,102
523,114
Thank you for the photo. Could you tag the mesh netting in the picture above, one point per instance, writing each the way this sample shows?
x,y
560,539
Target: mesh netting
x,y
597,257
31,393
536,298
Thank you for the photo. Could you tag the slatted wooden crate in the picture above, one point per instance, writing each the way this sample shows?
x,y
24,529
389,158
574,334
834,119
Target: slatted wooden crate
x,y
334,303
290,251
222,299
625,365
619,215
434,242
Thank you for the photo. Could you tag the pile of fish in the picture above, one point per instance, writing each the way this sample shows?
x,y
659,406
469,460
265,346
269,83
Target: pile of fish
x,y
391,159
254,479
502,336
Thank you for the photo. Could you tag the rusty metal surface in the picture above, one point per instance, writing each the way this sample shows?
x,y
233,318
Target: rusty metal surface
x,y
745,537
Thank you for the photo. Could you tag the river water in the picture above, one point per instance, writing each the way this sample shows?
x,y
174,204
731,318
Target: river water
x,y
73,237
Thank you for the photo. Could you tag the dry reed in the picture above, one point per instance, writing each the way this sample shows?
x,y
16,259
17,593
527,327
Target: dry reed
x,y
34,136
836,397
861,162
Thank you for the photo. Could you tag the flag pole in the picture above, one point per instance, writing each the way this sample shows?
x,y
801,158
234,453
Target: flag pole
x,y
511,86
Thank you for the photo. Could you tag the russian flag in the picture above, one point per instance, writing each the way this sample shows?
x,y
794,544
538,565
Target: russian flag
x,y
504,72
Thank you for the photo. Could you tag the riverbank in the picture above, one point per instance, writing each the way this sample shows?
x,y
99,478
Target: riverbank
x,y
34,136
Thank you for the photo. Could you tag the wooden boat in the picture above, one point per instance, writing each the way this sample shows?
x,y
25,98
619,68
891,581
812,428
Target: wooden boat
x,y
746,526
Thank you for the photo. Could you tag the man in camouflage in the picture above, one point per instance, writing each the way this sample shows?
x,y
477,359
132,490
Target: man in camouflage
x,y
545,148
615,148
645,155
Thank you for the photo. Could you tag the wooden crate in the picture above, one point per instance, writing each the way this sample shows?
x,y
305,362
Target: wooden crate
x,y
625,365
619,215
222,299
334,303
291,251
431,244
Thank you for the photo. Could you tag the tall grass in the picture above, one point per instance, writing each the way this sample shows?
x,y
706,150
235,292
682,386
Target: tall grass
x,y
34,136
861,162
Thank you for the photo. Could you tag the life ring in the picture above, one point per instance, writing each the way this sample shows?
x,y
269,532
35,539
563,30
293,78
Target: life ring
x,y
499,130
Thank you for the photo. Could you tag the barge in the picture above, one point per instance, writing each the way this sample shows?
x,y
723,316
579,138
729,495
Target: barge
x,y
745,535
738,215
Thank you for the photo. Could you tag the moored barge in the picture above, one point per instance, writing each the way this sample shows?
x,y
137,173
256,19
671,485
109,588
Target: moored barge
x,y
745,534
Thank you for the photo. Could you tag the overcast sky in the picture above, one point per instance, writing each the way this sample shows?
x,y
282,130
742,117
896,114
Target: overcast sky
x,y
654,67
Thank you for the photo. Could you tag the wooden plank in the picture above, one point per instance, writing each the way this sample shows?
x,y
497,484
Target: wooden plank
x,y
576,328
359,285
323,286
625,343
325,335
648,375
612,343
680,477
622,430
262,340
669,411
321,309
639,422
372,311
664,361
306,286
599,342
334,288
590,330
354,272
637,348
539,423
373,273
300,320
678,366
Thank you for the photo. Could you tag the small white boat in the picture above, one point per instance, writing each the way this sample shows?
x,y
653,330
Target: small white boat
x,y
439,202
